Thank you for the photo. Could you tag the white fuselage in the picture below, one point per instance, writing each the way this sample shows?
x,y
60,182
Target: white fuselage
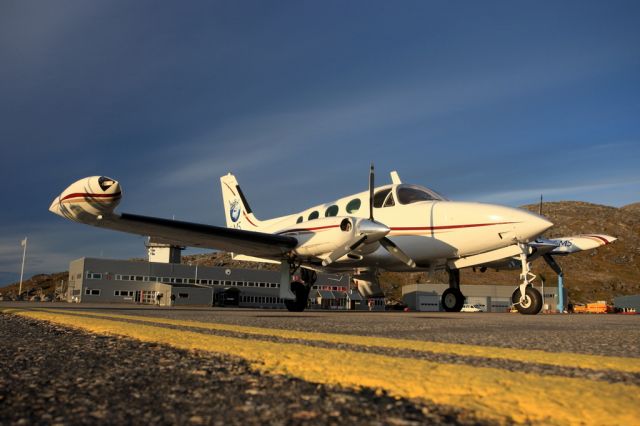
x,y
430,232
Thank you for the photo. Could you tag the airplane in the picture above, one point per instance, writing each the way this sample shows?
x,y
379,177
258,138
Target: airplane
x,y
396,227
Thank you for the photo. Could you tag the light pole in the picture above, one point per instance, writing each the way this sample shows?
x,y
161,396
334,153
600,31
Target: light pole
x,y
24,255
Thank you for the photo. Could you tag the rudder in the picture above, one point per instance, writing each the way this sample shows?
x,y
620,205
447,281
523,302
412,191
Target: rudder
x,y
237,211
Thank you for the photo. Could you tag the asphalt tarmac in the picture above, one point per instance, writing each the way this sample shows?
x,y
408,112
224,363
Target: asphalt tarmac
x,y
79,364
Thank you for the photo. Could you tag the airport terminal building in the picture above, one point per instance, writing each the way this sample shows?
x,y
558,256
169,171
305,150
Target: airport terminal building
x,y
171,284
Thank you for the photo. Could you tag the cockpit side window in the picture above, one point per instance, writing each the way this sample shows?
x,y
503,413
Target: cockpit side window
x,y
379,197
389,201
408,194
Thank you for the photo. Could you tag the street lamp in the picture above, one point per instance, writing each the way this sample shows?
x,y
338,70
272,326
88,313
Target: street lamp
x,y
24,255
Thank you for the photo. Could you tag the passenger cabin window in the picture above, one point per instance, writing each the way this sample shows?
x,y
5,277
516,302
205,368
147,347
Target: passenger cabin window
x,y
408,194
331,211
353,205
314,215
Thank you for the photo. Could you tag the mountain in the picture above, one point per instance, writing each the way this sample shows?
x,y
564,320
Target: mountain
x,y
599,274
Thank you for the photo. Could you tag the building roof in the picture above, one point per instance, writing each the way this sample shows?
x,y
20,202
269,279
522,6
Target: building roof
x,y
354,295
326,294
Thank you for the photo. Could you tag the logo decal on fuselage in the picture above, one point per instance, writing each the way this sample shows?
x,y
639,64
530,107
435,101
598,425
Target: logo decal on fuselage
x,y
234,210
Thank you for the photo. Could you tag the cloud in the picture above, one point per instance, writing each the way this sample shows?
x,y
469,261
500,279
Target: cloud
x,y
325,124
530,195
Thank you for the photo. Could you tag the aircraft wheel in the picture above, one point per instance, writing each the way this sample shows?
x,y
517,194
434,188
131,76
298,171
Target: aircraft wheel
x,y
532,303
452,300
302,294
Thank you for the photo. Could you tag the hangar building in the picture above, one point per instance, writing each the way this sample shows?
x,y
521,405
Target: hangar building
x,y
488,298
627,303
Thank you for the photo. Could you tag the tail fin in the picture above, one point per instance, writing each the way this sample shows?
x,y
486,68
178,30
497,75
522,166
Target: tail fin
x,y
236,208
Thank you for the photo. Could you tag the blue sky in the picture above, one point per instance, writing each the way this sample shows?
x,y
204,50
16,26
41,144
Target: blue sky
x,y
486,101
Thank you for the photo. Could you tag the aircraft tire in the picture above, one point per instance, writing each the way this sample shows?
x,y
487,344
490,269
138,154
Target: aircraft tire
x,y
302,294
452,300
532,304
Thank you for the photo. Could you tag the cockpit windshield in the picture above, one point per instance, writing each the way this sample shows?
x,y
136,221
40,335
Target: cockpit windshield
x,y
408,194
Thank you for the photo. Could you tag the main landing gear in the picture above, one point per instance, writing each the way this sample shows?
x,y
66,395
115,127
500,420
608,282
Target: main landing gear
x,y
301,288
452,298
526,299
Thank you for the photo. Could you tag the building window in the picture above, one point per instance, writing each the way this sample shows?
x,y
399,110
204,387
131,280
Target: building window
x,y
139,278
192,280
353,205
183,295
118,277
178,280
126,278
331,211
314,215
92,292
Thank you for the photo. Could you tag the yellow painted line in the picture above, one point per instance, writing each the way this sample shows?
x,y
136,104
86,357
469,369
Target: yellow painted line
x,y
559,359
488,392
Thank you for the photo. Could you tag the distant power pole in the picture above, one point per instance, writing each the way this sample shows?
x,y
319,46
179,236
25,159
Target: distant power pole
x,y
24,255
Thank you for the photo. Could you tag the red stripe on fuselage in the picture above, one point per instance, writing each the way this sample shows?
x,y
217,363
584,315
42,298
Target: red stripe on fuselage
x,y
319,228
88,195
436,228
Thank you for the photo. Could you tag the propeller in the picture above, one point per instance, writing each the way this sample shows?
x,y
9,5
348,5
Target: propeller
x,y
371,180
397,253
540,206
370,231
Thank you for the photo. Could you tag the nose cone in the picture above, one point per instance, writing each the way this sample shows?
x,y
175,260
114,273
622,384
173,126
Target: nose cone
x,y
530,225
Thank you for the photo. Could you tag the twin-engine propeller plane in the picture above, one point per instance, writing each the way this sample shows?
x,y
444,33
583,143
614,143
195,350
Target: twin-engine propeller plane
x,y
398,227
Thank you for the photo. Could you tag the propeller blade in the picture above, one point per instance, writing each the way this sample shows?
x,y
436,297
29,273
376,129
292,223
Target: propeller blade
x,y
348,248
397,253
371,181
540,206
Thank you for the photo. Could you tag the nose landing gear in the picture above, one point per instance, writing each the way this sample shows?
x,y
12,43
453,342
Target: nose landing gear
x,y
526,299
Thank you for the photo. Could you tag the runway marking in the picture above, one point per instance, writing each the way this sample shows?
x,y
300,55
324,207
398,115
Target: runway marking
x,y
490,393
559,359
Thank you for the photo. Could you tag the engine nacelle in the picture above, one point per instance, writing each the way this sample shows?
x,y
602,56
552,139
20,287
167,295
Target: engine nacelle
x,y
88,199
321,236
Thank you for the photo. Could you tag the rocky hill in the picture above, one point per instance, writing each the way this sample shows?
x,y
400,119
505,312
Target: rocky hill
x,y
599,274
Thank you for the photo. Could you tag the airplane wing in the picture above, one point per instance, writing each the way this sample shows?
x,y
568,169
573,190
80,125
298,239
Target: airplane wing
x,y
92,200
508,257
568,245
199,235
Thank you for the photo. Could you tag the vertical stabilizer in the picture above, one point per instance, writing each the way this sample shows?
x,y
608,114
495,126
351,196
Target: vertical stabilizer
x,y
237,211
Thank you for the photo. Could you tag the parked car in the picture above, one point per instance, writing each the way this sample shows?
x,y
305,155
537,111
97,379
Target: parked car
x,y
470,308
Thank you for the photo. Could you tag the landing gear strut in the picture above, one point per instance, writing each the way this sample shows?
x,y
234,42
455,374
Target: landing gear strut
x,y
301,290
526,299
452,298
